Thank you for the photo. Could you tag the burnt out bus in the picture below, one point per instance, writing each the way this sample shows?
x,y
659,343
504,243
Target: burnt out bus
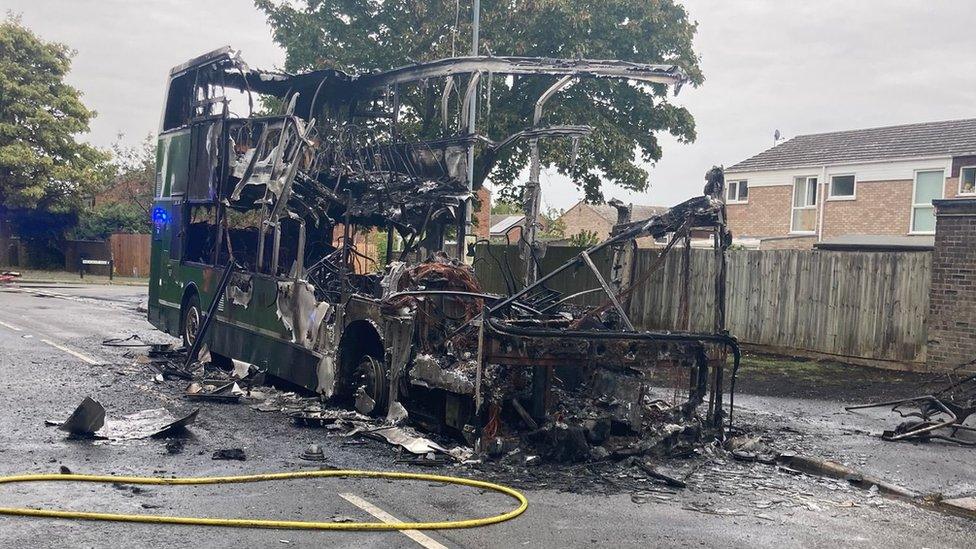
x,y
281,178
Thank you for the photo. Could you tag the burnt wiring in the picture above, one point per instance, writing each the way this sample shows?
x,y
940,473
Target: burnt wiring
x,y
503,268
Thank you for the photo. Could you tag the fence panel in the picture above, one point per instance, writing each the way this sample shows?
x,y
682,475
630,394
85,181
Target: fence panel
x,y
861,304
131,254
870,305
500,270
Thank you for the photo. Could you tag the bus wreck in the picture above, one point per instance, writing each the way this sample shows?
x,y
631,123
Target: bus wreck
x,y
258,225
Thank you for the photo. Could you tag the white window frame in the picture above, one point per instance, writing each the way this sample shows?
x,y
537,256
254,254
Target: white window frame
x,y
794,207
914,206
830,189
959,190
738,191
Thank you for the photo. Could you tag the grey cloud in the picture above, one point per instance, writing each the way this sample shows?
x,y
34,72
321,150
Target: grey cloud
x,y
800,67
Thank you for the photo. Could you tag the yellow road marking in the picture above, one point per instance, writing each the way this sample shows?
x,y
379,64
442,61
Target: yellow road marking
x,y
416,535
73,353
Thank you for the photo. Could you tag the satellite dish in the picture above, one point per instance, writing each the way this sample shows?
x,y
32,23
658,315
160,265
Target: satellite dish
x,y
776,136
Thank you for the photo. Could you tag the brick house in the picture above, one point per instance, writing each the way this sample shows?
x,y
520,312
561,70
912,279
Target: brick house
x,y
850,185
600,218
506,226
509,226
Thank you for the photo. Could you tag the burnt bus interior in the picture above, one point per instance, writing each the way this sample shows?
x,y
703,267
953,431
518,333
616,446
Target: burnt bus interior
x,y
271,189
283,177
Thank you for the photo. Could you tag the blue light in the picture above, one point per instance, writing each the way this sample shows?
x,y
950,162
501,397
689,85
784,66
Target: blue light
x,y
159,215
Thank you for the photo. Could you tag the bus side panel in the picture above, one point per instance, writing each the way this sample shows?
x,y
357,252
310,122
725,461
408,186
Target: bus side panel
x,y
165,293
250,328
279,357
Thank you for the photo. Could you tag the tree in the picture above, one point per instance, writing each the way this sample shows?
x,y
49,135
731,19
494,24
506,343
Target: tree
x,y
134,179
584,239
101,221
43,167
505,207
123,205
553,224
365,35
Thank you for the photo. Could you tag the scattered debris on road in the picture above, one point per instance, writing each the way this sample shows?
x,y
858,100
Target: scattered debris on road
x,y
940,415
230,454
88,421
227,392
313,453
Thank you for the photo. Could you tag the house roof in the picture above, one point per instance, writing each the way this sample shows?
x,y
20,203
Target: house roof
x,y
879,243
638,211
947,138
503,222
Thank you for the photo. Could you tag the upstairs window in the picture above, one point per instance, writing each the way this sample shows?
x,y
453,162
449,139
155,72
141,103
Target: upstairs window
x,y
737,192
928,187
804,219
967,180
842,187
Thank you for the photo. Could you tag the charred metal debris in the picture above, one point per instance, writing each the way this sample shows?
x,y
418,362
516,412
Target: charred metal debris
x,y
285,194
939,415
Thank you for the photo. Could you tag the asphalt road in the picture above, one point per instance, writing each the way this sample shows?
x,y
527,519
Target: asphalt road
x,y
51,357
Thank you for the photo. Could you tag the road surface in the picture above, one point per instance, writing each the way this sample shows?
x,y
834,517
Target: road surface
x,y
51,357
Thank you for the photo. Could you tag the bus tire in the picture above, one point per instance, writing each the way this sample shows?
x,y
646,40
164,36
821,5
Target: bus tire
x,y
191,317
370,378
361,366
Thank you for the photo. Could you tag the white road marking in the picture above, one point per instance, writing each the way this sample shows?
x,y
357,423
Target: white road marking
x,y
73,353
10,326
419,537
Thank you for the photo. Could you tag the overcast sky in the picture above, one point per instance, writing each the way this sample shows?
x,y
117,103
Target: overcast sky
x,y
797,66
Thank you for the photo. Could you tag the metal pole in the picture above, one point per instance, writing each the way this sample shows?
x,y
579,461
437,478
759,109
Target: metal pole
x,y
464,217
475,26
721,269
532,190
608,290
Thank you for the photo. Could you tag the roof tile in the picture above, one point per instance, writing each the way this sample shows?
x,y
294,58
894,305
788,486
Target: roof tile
x,y
950,138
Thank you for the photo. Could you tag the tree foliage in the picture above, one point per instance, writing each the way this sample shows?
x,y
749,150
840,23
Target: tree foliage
x,y
365,35
584,239
134,167
505,207
553,224
101,221
123,205
43,167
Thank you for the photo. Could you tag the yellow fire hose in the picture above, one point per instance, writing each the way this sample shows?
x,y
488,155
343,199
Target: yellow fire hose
x,y
264,523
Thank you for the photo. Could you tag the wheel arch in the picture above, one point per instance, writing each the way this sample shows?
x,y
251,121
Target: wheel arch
x,y
359,338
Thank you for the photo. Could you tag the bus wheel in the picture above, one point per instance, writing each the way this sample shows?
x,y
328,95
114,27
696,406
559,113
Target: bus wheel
x,y
371,378
192,318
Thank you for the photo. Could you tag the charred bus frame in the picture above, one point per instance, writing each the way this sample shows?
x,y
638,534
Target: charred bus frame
x,y
281,196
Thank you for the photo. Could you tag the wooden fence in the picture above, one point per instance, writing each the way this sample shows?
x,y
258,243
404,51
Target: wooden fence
x,y
864,305
131,254
489,262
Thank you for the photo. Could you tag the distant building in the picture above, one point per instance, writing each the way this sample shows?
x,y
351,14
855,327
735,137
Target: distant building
x,y
857,189
481,213
510,226
600,218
